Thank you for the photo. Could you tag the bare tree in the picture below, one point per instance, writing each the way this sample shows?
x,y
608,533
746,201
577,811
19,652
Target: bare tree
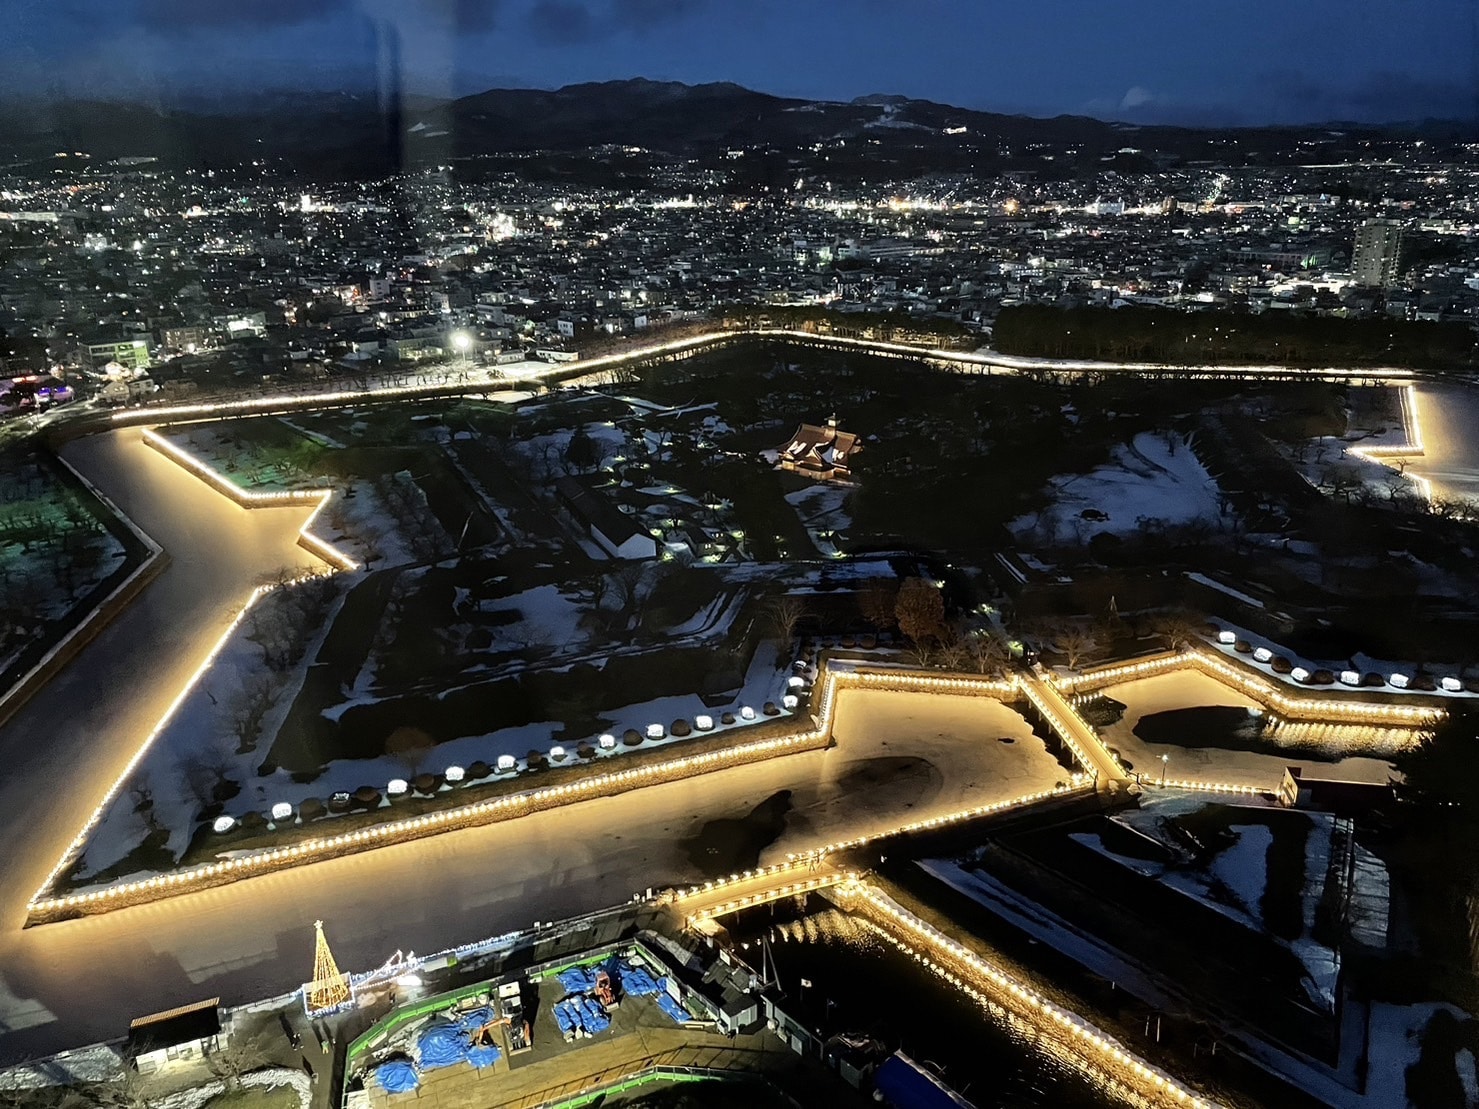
x,y
248,708
989,654
1074,641
625,585
920,611
784,613
270,628
876,600
1178,628
233,1060
954,648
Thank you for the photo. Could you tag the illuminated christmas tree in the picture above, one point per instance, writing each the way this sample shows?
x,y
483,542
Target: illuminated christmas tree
x,y
329,988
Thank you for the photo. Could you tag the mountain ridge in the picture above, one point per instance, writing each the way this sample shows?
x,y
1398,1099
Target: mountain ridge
x,y
370,131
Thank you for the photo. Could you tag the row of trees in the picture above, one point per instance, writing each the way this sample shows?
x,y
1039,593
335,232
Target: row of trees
x,y
888,327
1147,334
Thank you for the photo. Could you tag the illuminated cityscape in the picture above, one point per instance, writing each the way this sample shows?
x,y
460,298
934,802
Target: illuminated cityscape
x,y
524,585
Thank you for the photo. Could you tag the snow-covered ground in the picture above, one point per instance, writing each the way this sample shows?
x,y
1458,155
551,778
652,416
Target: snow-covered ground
x,y
1232,882
1154,478
1355,752
198,746
822,509
1361,664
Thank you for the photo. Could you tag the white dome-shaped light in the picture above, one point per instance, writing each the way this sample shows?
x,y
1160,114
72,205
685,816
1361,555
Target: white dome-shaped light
x,y
507,763
796,683
557,753
607,742
1263,654
282,811
224,823
1350,677
1228,638
747,713
396,786
655,731
1300,674
455,774
790,701
1451,685
1401,681
703,723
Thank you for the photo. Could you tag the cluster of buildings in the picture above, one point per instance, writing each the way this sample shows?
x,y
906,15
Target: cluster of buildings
x,y
216,277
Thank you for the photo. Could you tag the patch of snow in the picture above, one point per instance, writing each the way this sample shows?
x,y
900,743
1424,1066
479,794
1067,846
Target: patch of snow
x,y
1148,479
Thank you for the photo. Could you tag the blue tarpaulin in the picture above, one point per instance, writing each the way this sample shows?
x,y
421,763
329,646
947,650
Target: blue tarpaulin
x,y
475,1019
582,1013
638,983
577,979
483,1056
442,1045
672,1008
397,1076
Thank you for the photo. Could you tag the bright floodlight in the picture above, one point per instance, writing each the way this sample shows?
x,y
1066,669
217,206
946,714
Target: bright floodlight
x,y
224,823
461,340
282,811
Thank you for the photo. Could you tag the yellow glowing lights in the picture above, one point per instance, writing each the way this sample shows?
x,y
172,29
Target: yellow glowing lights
x,y
317,497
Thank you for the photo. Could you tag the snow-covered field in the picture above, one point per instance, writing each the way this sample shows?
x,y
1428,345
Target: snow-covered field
x,y
1154,478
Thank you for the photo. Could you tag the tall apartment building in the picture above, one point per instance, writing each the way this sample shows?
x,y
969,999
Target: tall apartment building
x,y
1378,244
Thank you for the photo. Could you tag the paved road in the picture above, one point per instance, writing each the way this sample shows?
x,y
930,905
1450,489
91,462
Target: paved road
x,y
898,758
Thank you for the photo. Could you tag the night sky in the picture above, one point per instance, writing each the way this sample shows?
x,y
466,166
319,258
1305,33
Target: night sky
x,y
1179,61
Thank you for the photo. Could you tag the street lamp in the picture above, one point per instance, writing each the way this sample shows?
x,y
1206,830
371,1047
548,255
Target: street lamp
x,y
462,341
1164,759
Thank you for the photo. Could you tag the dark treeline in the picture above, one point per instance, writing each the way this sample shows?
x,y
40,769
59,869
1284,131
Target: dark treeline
x,y
890,327
1144,334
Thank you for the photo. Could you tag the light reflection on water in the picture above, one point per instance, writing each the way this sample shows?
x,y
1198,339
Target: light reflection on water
x,y
863,981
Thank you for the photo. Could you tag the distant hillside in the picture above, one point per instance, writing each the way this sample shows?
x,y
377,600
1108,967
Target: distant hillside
x,y
338,134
